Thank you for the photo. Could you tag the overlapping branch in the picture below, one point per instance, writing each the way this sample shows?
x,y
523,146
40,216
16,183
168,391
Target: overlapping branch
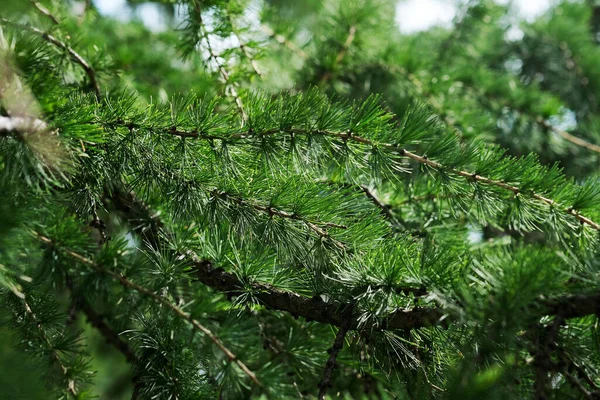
x,y
161,300
221,68
315,308
70,382
75,56
333,351
421,159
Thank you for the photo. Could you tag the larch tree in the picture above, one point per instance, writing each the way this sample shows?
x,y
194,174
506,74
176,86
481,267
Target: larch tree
x,y
292,199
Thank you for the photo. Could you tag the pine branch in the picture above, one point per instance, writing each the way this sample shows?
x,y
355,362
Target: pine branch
x,y
161,300
222,71
421,159
112,337
43,10
484,97
314,308
312,225
70,382
386,210
335,349
571,138
98,224
543,357
76,57
97,321
310,308
243,46
569,365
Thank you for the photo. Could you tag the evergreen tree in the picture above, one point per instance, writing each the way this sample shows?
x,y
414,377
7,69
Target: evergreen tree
x,y
274,199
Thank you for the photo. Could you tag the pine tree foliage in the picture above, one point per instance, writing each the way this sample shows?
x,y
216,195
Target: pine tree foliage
x,y
272,199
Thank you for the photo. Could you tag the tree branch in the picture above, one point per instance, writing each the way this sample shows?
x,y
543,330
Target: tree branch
x,y
314,308
335,349
76,57
97,321
159,299
421,159
340,56
70,382
222,71
43,10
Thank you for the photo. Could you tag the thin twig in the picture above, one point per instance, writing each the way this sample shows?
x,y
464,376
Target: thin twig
x,y
349,136
44,337
335,349
99,224
43,10
316,309
97,321
244,47
222,71
566,135
385,208
159,299
545,338
76,57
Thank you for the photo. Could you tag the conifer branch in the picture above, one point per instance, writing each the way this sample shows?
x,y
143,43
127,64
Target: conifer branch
x,y
76,57
314,308
571,138
542,353
161,300
98,224
243,46
312,225
386,210
429,98
97,321
335,349
568,365
543,123
421,159
70,382
43,10
112,337
220,67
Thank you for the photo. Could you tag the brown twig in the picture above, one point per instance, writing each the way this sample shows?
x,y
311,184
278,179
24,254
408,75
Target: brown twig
x,y
386,210
341,54
76,57
350,136
314,308
161,300
244,47
97,321
335,349
70,382
43,10
221,68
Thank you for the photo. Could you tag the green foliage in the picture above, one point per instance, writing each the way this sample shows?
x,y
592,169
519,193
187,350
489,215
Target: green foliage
x,y
281,200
